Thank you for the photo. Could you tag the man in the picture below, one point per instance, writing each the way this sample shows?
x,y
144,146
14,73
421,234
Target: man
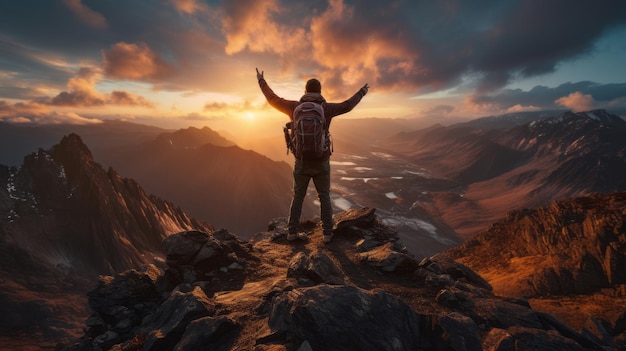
x,y
306,169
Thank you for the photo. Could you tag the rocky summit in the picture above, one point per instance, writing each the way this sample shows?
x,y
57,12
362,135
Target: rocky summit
x,y
363,291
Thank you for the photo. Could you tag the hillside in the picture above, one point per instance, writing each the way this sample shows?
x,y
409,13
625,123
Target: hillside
x,y
573,246
210,178
567,258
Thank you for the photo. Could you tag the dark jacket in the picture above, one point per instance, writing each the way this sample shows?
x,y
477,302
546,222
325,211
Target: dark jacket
x,y
331,109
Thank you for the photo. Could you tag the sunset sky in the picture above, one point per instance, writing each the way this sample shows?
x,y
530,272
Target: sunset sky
x,y
179,63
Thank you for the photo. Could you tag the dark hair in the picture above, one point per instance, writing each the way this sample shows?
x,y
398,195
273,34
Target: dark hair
x,y
313,86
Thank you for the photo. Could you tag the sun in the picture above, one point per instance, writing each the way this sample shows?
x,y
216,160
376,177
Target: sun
x,y
249,116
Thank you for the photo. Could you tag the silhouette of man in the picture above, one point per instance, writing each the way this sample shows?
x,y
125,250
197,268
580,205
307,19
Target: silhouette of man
x,y
306,169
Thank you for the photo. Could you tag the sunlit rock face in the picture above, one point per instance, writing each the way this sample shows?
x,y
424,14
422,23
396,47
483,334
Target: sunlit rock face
x,y
572,246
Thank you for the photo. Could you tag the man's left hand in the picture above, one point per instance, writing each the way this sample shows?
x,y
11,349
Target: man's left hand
x,y
259,76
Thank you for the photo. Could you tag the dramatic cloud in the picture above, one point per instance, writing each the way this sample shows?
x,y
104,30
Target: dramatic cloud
x,y
249,24
401,48
85,14
576,101
135,62
423,47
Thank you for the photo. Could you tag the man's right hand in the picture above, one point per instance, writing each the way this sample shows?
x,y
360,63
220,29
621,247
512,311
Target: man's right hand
x,y
259,76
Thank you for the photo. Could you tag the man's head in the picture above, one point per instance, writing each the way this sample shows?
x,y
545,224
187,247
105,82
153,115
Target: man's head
x,y
313,86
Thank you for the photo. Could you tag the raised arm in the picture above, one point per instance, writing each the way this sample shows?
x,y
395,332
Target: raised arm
x,y
335,109
282,105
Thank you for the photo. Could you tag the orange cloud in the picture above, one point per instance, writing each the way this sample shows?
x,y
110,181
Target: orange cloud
x,y
85,14
249,24
520,108
33,112
135,62
576,101
188,6
229,107
125,98
357,50
81,92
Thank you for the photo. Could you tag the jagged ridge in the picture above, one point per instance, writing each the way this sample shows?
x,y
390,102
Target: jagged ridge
x,y
572,246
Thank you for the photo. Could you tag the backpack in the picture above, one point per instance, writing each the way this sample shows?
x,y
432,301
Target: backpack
x,y
309,137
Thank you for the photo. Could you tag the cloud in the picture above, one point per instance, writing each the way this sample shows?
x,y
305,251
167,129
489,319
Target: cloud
x,y
520,108
250,24
189,6
576,101
438,110
564,95
81,93
36,113
85,14
232,107
135,62
199,117
424,46
406,47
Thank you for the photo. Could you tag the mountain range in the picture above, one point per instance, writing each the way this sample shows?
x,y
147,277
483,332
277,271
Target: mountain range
x,y
498,170
65,219
204,173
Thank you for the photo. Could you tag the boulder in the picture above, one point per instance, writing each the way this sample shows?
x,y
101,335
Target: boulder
x,y
360,217
443,264
206,331
194,256
346,318
317,267
387,259
166,326
459,332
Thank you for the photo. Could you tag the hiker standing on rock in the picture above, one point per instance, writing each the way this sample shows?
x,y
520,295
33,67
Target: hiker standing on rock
x,y
309,141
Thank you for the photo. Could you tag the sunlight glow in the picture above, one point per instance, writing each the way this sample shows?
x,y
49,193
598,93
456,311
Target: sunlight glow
x,y
249,116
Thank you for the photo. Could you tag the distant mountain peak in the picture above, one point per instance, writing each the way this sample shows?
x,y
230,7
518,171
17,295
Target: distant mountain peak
x,y
600,117
73,147
192,137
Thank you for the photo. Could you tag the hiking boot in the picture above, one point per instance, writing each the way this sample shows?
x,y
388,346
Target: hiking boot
x,y
328,237
296,236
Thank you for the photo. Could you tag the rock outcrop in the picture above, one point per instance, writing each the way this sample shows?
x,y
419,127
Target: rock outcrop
x,y
573,246
271,294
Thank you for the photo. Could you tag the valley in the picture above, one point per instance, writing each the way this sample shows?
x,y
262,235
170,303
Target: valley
x,y
396,188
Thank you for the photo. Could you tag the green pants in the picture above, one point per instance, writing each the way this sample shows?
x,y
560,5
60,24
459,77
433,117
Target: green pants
x,y
303,171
